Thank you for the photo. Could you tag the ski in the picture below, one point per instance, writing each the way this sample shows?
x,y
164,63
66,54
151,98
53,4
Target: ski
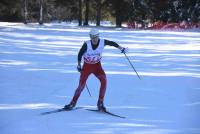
x,y
59,110
106,112
94,110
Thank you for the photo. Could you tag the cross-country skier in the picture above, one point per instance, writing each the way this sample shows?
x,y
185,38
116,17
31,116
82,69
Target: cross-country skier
x,y
91,52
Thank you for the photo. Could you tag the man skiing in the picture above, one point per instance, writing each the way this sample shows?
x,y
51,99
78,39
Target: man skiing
x,y
91,52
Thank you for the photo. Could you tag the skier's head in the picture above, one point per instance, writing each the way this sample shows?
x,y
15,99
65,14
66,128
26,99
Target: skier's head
x,y
94,32
94,35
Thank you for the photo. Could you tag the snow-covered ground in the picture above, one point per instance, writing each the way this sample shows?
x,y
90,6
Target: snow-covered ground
x,y
38,74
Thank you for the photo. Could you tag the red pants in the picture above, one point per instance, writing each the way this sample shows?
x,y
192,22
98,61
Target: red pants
x,y
88,69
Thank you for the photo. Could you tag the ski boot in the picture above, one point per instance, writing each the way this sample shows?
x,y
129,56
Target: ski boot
x,y
101,106
69,106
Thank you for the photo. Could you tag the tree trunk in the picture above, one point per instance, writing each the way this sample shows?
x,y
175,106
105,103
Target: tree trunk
x,y
98,19
80,12
118,22
41,12
25,12
86,12
118,18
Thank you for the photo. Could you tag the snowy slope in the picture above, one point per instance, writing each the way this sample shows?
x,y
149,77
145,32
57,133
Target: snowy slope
x,y
38,74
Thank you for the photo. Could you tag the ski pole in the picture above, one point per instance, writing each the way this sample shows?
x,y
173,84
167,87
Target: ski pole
x,y
132,65
79,70
88,90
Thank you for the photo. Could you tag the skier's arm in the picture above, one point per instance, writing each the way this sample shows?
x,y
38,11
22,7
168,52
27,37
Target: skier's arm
x,y
81,52
114,44
111,43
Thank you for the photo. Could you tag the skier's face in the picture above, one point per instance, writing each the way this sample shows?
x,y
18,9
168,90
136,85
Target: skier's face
x,y
94,39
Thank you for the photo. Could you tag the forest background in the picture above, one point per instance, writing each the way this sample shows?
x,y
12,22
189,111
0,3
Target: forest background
x,y
143,12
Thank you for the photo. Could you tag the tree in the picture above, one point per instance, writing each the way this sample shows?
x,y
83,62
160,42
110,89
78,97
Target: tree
x,y
87,2
120,9
98,16
41,12
159,10
67,10
80,13
25,11
195,12
11,10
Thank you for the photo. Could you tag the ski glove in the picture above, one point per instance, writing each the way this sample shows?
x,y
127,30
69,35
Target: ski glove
x,y
124,50
79,68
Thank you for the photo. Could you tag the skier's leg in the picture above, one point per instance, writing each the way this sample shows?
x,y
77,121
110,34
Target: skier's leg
x,y
83,78
100,74
102,90
102,77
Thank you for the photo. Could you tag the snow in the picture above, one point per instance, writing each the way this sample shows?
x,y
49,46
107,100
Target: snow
x,y
38,74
